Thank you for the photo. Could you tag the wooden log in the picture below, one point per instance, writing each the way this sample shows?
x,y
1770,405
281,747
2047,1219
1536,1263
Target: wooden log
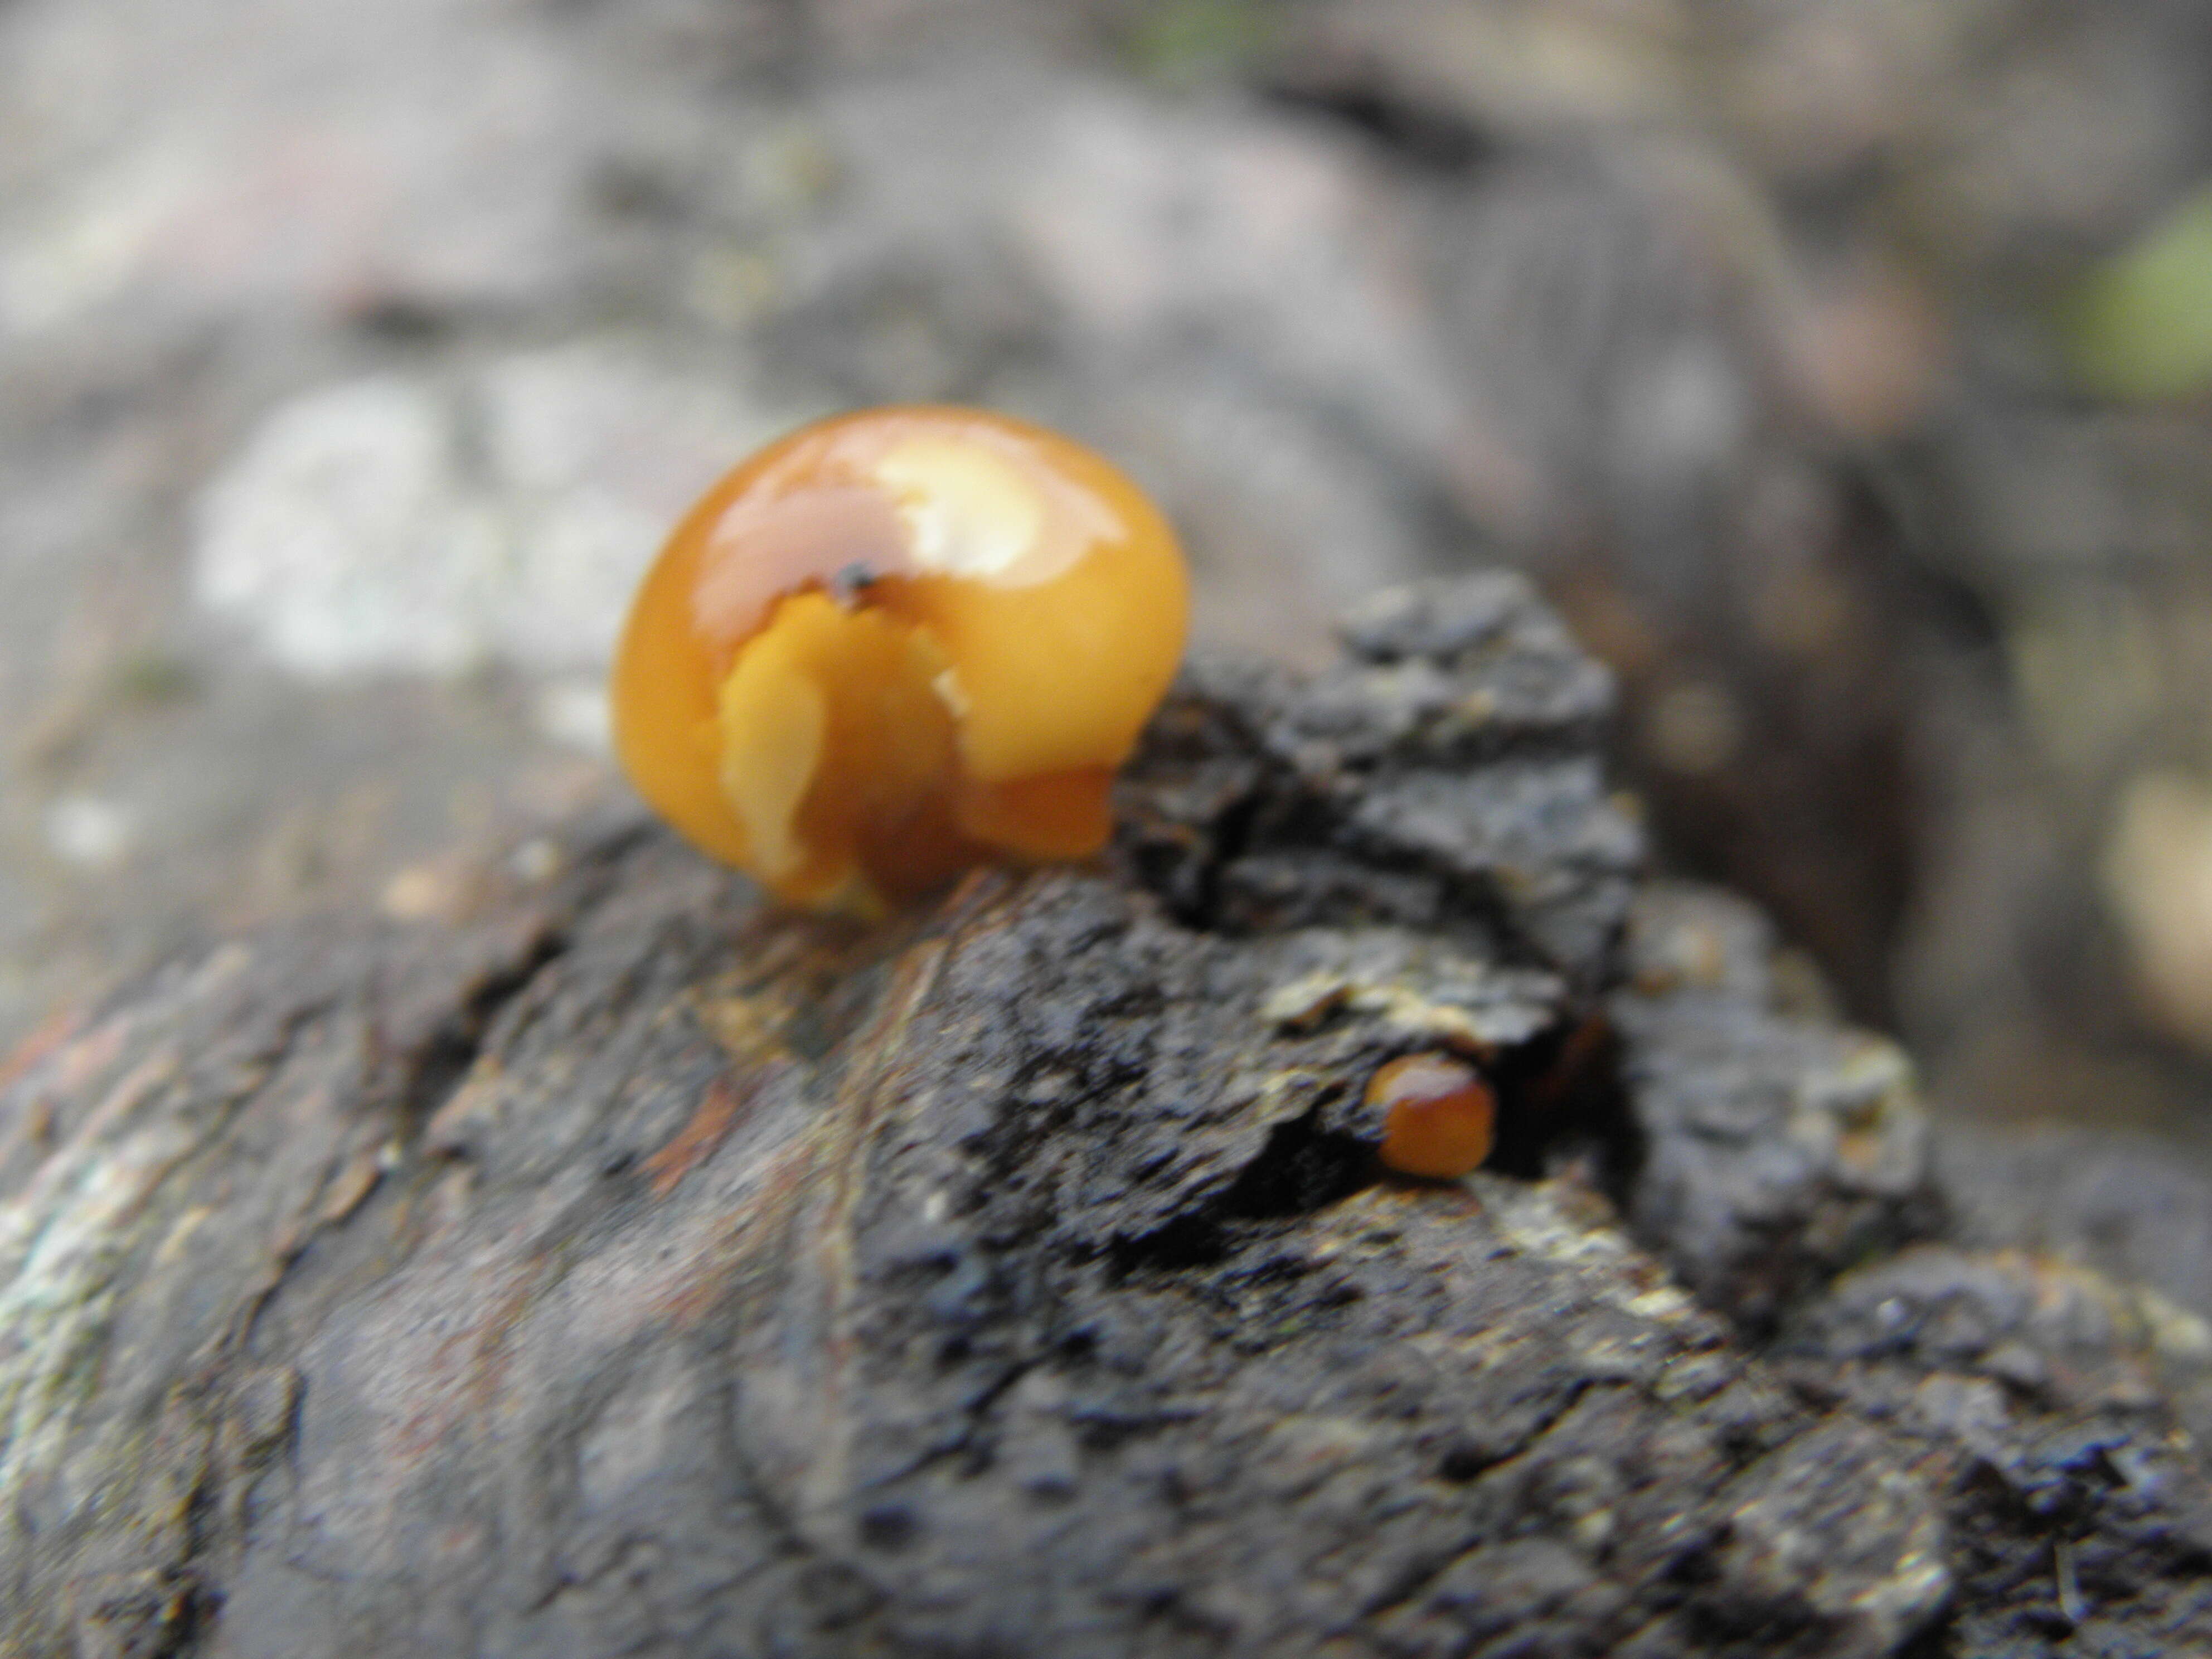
x,y
643,1270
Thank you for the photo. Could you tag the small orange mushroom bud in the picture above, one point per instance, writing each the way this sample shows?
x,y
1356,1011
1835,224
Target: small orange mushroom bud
x,y
1439,1116
896,644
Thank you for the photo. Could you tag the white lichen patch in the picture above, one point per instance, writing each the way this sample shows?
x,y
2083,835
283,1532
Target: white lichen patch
x,y
71,1233
575,711
1534,1220
2175,1332
67,1241
430,523
1414,989
1863,1116
89,831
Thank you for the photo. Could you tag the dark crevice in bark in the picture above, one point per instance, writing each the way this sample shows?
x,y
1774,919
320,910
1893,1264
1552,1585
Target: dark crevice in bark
x,y
442,1062
1417,135
1303,1167
1563,1102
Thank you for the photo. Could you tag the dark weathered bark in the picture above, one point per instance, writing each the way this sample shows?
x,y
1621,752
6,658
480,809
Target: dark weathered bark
x,y
644,1271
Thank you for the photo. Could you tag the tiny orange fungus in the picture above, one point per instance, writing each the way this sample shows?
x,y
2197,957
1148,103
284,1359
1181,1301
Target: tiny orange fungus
x,y
1439,1116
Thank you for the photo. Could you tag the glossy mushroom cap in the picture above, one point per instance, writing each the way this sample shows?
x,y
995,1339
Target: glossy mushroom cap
x,y
896,644
1439,1116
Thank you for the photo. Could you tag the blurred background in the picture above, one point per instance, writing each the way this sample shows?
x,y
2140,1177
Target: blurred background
x,y
1843,369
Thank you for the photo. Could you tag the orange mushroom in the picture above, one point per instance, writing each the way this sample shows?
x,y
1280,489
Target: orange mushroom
x,y
1439,1116
895,644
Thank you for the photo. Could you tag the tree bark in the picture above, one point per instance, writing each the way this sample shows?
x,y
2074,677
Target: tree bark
x,y
642,1270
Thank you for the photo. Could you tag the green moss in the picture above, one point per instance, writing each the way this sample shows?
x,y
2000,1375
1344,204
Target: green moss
x,y
1186,40
154,676
2141,328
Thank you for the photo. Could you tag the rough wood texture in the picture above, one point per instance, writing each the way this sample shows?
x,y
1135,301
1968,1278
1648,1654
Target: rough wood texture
x,y
644,1272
